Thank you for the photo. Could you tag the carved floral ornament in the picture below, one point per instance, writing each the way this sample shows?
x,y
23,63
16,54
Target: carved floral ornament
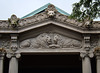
x,y
50,40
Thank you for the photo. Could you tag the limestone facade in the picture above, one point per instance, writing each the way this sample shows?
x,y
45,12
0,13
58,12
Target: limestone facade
x,y
49,32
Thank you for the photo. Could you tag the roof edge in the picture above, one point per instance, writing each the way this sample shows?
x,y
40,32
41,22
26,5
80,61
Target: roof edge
x,y
42,8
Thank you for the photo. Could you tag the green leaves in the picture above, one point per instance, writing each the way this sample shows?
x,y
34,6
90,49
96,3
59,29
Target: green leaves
x,y
86,8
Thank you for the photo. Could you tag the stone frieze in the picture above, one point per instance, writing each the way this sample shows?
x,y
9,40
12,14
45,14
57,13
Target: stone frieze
x,y
50,41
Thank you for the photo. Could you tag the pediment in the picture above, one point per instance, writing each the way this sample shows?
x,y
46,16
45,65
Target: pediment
x,y
48,16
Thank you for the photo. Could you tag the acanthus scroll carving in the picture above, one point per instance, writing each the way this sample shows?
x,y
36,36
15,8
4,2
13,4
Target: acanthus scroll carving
x,y
51,40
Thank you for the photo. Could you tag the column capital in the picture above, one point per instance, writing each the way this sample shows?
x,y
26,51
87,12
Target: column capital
x,y
10,55
86,54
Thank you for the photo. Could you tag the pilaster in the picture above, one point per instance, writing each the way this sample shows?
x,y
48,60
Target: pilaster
x,y
97,53
13,55
86,55
86,62
1,60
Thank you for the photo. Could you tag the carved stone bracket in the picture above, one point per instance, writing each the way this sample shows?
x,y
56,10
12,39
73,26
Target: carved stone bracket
x,y
87,43
14,45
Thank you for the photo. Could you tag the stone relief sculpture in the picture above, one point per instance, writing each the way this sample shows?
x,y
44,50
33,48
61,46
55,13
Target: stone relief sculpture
x,y
13,21
51,40
51,10
3,24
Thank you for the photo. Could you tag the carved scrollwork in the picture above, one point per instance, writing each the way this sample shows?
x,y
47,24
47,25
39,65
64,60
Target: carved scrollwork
x,y
51,40
86,53
17,55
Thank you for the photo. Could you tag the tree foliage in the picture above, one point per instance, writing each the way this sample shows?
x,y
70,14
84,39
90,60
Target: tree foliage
x,y
86,8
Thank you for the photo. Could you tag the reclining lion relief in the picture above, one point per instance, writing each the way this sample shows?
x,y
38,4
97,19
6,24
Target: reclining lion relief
x,y
50,40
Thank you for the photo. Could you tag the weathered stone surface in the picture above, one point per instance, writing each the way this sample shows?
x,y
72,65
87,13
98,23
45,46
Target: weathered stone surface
x,y
49,14
49,32
51,40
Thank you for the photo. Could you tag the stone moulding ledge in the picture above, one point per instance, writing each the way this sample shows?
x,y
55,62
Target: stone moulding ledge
x,y
69,50
47,23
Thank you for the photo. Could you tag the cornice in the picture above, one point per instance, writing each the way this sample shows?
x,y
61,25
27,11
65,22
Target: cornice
x,y
50,15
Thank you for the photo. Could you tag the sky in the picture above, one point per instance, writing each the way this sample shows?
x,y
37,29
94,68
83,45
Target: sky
x,y
24,7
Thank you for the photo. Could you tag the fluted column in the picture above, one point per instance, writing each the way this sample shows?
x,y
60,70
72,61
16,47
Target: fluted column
x,y
86,62
1,62
13,63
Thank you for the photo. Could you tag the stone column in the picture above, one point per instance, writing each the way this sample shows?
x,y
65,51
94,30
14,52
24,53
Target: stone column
x,y
97,53
86,63
1,62
13,54
13,63
86,55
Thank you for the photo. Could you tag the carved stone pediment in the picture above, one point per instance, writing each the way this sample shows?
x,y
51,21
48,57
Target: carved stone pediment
x,y
50,41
